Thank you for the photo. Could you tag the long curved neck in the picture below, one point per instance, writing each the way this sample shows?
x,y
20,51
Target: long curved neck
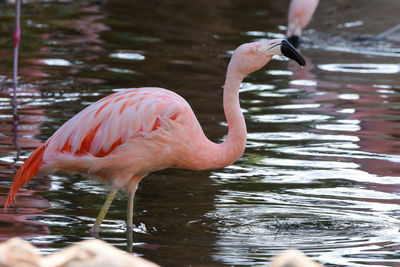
x,y
234,145
204,154
232,148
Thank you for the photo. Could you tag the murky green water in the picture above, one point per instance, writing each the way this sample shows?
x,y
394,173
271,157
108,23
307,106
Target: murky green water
x,y
321,169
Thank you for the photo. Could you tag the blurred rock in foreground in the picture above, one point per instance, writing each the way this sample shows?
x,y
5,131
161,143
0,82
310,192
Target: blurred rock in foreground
x,y
17,252
293,258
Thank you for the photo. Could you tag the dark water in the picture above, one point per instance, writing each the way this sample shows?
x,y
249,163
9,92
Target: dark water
x,y
321,169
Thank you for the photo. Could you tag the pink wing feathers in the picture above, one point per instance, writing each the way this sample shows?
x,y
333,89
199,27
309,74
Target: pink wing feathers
x,y
103,126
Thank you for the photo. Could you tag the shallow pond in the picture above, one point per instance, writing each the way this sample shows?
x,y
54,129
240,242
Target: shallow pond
x,y
321,169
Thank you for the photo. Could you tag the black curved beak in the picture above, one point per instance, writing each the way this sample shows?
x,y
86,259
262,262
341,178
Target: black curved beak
x,y
289,51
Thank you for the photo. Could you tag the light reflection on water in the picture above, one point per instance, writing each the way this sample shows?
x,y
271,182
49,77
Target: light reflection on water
x,y
362,68
128,55
56,62
321,167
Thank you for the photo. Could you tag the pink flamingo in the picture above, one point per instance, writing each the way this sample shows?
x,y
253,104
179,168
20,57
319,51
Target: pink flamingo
x,y
300,14
128,134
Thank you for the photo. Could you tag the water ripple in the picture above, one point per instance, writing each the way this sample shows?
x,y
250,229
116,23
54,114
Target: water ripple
x,y
362,68
127,55
290,118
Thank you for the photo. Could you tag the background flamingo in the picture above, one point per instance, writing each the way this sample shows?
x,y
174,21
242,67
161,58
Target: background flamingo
x,y
299,15
123,137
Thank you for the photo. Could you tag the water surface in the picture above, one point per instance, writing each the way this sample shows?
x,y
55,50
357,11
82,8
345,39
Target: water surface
x,y
321,169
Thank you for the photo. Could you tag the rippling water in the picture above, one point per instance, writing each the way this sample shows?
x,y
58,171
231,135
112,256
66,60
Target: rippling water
x,y
321,169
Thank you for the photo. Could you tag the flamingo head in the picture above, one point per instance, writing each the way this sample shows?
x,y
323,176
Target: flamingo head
x,y
251,57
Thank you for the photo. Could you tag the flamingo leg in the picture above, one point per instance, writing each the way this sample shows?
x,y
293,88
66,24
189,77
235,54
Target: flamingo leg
x,y
129,218
96,227
129,222
131,189
129,240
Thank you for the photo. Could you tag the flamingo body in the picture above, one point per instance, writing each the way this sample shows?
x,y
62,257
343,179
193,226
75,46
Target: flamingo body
x,y
128,134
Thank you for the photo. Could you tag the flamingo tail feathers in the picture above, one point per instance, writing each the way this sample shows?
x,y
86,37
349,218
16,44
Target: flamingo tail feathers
x,y
25,173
